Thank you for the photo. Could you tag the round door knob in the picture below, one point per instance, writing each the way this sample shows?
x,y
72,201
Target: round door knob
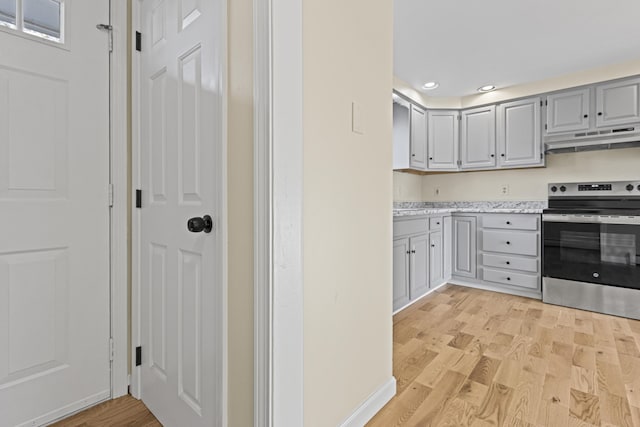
x,y
200,224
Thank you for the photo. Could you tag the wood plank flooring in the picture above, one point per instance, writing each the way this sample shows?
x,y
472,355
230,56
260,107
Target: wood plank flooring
x,y
124,411
467,357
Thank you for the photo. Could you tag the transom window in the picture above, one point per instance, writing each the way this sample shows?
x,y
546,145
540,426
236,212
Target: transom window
x,y
40,18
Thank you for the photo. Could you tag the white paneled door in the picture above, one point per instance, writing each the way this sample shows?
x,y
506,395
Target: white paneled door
x,y
54,210
180,173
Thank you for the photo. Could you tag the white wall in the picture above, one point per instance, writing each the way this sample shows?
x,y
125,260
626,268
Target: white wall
x,y
531,184
348,195
407,187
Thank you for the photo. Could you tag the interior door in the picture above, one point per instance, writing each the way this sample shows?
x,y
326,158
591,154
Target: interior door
x,y
180,175
54,210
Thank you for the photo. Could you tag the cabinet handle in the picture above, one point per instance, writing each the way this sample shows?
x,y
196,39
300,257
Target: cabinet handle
x,y
508,262
508,222
437,223
413,155
430,158
493,155
502,155
600,113
413,251
508,243
433,246
586,115
508,278
408,252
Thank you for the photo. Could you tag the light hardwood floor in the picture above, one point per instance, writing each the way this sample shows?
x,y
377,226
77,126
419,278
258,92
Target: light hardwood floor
x,y
466,357
124,411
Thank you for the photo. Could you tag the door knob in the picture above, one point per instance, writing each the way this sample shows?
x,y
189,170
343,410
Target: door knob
x,y
199,224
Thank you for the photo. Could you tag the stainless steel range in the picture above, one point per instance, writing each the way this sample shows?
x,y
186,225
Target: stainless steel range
x,y
591,238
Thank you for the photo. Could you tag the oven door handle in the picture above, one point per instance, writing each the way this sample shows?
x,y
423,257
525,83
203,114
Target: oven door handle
x,y
592,219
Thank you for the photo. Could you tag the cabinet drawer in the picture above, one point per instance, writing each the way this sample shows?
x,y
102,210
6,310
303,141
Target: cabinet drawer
x,y
510,262
510,242
511,222
405,227
523,280
435,223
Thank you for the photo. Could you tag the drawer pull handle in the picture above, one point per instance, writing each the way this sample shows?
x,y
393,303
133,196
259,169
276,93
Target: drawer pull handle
x,y
508,262
433,246
508,278
437,223
508,222
508,243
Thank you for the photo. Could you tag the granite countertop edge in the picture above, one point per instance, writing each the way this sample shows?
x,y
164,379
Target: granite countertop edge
x,y
426,208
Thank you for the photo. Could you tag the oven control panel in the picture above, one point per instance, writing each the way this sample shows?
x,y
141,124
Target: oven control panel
x,y
590,189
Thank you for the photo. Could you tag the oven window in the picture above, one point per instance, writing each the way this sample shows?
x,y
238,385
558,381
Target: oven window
x,y
595,253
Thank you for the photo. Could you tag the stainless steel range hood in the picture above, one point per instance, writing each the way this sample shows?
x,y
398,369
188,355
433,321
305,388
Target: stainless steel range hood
x,y
624,137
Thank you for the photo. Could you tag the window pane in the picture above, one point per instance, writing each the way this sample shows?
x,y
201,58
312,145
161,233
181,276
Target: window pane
x,y
42,16
8,12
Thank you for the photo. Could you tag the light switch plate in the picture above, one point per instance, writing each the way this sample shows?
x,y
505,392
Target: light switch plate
x,y
357,125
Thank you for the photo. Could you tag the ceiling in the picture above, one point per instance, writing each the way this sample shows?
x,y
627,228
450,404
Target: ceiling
x,y
466,44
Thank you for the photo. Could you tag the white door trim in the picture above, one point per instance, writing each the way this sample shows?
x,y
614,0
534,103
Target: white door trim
x,y
135,383
278,174
119,156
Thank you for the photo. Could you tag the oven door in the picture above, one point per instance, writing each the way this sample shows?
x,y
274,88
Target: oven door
x,y
593,249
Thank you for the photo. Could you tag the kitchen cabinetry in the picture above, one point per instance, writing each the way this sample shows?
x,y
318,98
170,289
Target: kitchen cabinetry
x,y
417,257
519,134
478,138
442,139
409,136
568,111
510,252
464,246
418,138
618,103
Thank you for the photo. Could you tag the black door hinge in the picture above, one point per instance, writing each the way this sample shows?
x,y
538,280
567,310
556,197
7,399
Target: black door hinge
x,y
138,199
138,41
138,356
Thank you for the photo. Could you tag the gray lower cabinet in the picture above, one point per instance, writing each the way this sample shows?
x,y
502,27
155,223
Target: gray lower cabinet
x,y
400,272
418,265
509,253
435,258
464,246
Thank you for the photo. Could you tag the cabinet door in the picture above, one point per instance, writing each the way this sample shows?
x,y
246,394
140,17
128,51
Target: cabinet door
x,y
419,275
400,273
435,258
478,139
519,139
443,140
418,138
464,246
401,135
618,103
447,241
568,111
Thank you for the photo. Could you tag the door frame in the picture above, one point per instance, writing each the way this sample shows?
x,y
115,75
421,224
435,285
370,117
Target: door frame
x,y
278,214
135,387
120,196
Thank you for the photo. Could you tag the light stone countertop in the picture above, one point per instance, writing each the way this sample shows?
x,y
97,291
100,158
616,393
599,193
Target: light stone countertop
x,y
401,209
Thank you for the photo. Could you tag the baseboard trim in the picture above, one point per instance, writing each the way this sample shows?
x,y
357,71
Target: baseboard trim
x,y
67,411
534,294
372,405
429,292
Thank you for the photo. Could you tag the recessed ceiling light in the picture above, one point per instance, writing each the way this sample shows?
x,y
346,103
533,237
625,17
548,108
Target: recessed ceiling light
x,y
430,85
487,88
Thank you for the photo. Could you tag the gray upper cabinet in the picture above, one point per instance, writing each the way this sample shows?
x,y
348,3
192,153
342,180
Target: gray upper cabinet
x,y
442,140
478,138
418,138
568,111
618,103
519,134
401,134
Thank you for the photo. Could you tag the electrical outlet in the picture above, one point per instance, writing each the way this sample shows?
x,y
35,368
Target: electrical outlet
x,y
504,189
